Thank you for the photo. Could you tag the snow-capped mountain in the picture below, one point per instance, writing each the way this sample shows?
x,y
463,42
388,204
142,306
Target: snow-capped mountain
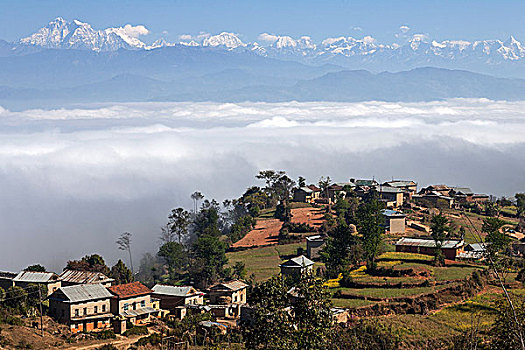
x,y
61,34
365,52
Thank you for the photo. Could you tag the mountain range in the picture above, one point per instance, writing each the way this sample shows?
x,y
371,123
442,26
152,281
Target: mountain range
x,y
68,62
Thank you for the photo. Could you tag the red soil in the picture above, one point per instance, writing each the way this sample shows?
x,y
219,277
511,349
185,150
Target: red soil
x,y
266,232
311,216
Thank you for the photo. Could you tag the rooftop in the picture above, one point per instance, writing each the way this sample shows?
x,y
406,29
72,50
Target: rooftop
x,y
35,277
392,213
83,292
388,189
231,285
130,290
400,183
430,243
84,277
299,261
177,291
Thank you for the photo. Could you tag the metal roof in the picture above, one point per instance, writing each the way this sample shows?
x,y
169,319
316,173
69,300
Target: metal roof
x,y
394,213
85,292
430,243
476,247
35,277
306,189
388,189
299,261
462,190
231,285
400,183
177,291
141,311
315,238
84,277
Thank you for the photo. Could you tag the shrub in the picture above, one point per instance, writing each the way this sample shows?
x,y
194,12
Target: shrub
x,y
136,330
153,339
105,334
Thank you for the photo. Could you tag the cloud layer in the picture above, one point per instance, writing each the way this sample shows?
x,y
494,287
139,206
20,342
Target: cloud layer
x,y
73,179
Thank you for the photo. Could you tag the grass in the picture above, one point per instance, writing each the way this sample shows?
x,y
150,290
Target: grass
x,y
453,272
263,262
267,213
350,303
389,292
405,256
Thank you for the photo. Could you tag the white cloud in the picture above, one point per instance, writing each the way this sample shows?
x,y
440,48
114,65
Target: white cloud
x,y
357,29
404,29
185,37
133,31
270,38
93,172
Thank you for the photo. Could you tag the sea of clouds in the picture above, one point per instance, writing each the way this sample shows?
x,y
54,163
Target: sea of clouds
x,y
72,179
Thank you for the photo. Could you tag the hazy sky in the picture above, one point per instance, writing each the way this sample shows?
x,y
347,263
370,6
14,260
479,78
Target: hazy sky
x,y
442,19
73,179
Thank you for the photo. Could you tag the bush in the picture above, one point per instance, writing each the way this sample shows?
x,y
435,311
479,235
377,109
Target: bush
x,y
154,339
105,334
136,330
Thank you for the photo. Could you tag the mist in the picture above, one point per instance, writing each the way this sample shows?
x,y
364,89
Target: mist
x,y
72,180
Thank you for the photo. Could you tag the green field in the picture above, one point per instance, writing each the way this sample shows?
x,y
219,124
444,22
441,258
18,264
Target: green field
x,y
264,262
390,292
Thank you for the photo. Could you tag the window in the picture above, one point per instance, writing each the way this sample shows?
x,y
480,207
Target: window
x,y
104,308
143,303
76,312
126,307
96,309
85,311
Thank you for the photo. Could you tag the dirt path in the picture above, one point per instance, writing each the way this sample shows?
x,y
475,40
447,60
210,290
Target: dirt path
x,y
266,232
119,343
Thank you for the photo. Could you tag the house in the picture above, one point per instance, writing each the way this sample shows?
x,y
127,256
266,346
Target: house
x,y
406,185
443,190
232,292
473,251
296,267
461,194
74,277
393,196
6,279
307,194
173,296
367,183
48,279
450,248
314,245
394,221
435,198
133,302
83,307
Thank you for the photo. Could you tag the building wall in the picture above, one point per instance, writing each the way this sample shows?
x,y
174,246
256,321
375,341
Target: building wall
x,y
6,283
313,248
397,225
51,287
295,272
449,253
170,302
236,297
65,313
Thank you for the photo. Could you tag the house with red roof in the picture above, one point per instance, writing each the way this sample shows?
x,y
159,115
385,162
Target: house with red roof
x,y
133,302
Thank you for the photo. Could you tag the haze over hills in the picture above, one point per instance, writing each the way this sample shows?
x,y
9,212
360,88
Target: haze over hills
x,y
68,62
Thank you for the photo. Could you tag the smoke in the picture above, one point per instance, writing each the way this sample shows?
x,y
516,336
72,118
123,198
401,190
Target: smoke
x,y
72,180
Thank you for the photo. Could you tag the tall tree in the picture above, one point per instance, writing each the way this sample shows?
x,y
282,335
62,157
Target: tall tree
x,y
439,232
209,255
341,249
324,183
35,268
179,221
93,263
124,243
175,256
369,222
497,240
208,220
196,196
301,181
121,273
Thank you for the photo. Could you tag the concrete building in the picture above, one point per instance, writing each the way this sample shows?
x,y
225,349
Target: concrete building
x,y
393,196
84,307
314,245
296,267
395,221
74,277
48,279
133,302
232,292
174,296
307,194
450,248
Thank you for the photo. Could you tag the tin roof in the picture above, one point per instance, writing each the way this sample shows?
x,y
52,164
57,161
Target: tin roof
x,y
400,183
388,189
35,277
392,213
138,312
430,243
129,290
299,261
84,277
315,238
84,292
177,291
231,285
306,189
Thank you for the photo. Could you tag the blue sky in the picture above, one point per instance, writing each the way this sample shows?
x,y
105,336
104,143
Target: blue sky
x,y
443,19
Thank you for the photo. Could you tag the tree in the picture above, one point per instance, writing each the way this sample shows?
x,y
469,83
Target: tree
x,y
121,273
175,256
497,240
324,183
16,299
208,220
369,224
340,249
179,221
301,182
520,204
239,270
2,295
124,243
278,184
196,196
93,263
209,255
150,270
507,332
438,231
35,268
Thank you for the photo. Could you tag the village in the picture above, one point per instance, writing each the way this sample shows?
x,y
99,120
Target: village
x,y
389,252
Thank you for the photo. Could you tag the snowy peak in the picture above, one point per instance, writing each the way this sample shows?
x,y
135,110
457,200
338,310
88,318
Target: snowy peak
x,y
61,34
225,40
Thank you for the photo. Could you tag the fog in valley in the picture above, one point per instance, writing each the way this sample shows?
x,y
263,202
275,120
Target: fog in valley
x,y
72,180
